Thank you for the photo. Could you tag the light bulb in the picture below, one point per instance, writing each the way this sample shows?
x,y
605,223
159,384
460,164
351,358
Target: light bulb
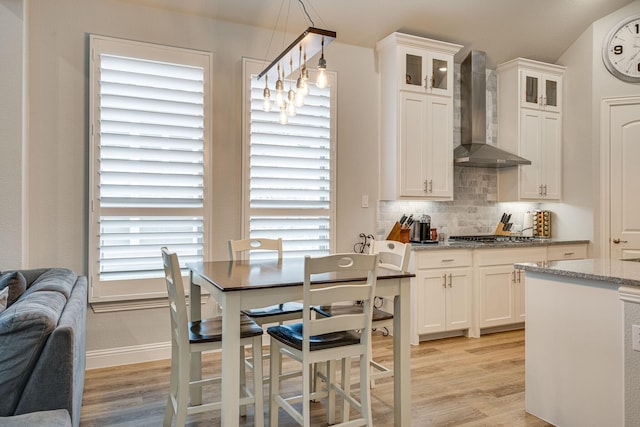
x,y
266,94
321,79
305,75
279,89
284,118
300,97
291,109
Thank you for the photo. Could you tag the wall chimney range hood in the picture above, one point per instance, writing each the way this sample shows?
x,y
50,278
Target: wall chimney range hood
x,y
474,150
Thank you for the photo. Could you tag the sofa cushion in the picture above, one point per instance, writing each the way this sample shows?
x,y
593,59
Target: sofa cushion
x,y
53,279
16,283
24,329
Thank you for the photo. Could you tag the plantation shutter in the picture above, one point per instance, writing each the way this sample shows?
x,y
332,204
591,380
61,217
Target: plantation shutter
x,y
291,185
149,139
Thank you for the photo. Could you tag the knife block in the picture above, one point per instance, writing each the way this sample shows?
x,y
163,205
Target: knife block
x,y
500,230
399,233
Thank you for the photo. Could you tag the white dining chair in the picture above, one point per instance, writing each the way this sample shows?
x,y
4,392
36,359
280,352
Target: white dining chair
x,y
277,313
320,339
196,337
392,255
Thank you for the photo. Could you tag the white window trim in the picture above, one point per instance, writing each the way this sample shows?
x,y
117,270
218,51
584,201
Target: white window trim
x,y
253,67
121,295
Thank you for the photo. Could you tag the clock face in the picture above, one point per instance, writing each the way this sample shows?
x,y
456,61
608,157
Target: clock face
x,y
621,50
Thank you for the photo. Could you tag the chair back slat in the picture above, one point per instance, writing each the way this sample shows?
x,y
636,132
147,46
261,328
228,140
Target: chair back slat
x,y
177,300
393,255
238,247
367,265
344,322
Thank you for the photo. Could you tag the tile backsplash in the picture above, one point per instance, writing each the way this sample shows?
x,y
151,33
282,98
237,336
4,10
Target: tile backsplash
x,y
474,209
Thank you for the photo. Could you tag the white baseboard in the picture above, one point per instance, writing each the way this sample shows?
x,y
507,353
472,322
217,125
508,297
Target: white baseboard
x,y
127,355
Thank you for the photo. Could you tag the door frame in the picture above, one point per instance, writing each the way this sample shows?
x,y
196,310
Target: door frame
x,y
604,225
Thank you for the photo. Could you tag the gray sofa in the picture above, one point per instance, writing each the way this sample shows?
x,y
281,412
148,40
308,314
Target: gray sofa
x,y
42,348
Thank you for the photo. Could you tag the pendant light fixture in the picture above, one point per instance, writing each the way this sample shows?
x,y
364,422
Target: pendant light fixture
x,y
310,42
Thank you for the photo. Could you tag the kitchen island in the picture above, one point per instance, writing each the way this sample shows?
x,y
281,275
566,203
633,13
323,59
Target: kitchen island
x,y
580,367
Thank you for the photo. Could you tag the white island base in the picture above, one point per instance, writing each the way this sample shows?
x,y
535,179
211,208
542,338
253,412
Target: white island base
x,y
574,351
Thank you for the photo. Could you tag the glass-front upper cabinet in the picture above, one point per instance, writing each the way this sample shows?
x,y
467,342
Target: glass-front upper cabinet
x,y
541,91
426,72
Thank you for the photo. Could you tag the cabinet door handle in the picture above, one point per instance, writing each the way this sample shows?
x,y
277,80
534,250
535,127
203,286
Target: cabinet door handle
x,y
430,186
544,101
444,280
519,276
616,241
540,190
513,276
545,189
450,279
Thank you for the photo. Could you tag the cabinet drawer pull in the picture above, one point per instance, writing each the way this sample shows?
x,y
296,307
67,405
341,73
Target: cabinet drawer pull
x,y
569,253
448,260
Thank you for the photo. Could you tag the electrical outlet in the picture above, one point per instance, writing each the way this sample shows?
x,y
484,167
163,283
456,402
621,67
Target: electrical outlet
x,y
365,201
635,337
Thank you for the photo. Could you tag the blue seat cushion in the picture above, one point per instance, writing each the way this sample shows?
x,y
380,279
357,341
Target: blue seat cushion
x,y
275,310
292,335
210,330
336,310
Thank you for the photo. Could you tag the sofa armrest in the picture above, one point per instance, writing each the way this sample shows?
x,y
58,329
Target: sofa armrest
x,y
57,381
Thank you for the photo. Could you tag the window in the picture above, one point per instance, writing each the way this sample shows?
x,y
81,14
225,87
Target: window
x,y
289,170
149,131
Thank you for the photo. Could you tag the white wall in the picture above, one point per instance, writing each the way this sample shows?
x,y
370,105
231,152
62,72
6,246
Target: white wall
x,y
11,131
586,82
56,160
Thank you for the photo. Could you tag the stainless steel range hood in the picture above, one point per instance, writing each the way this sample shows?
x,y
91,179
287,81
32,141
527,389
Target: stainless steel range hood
x,y
474,150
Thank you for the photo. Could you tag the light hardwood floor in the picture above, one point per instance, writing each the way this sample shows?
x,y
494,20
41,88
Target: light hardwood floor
x,y
455,382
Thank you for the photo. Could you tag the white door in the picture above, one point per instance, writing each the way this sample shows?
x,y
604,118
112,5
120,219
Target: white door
x,y
624,134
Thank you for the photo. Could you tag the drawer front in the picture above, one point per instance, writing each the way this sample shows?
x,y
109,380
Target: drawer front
x,y
511,255
444,259
560,252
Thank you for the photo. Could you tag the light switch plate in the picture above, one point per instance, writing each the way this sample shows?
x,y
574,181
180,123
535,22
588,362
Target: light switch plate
x,y
635,337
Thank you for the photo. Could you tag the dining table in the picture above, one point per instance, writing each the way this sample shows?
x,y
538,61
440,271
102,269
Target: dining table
x,y
244,284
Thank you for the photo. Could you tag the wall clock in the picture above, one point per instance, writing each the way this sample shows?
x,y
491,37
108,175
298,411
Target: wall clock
x,y
621,50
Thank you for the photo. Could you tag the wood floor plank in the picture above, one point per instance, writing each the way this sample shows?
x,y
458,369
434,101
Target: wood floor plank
x,y
455,382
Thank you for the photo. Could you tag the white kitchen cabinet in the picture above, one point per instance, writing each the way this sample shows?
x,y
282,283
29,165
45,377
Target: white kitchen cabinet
x,y
568,251
416,122
540,90
530,125
442,292
500,287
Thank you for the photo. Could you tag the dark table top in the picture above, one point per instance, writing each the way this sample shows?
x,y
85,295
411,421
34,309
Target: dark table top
x,y
243,274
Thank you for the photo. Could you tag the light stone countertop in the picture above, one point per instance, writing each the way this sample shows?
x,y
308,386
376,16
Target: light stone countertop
x,y
496,245
608,271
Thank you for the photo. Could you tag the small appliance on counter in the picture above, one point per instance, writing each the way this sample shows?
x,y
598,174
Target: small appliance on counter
x,y
421,230
542,224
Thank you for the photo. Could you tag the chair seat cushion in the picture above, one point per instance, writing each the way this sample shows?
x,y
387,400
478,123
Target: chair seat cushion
x,y
335,310
210,330
275,310
291,335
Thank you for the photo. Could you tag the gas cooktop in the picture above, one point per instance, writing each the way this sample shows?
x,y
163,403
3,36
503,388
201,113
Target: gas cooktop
x,y
491,238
